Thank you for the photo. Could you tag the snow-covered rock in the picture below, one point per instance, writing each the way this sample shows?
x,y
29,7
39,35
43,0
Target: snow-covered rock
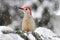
x,y
3,28
10,37
47,34
45,31
40,33
31,37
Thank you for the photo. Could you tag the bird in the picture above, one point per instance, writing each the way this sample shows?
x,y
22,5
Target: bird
x,y
28,23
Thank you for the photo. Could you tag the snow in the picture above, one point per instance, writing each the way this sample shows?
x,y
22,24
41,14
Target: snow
x,y
5,28
10,37
44,33
47,33
31,37
16,37
56,23
0,32
5,37
58,12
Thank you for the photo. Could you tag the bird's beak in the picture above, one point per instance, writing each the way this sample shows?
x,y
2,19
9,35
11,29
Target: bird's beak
x,y
21,8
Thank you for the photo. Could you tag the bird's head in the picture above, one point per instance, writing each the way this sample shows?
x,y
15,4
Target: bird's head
x,y
26,9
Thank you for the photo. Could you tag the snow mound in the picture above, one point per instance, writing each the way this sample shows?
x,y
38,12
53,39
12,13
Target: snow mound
x,y
3,28
39,34
10,37
46,34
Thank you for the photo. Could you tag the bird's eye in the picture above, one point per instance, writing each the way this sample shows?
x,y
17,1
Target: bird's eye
x,y
25,9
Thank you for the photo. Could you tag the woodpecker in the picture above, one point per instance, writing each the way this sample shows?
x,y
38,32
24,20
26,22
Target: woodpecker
x,y
28,23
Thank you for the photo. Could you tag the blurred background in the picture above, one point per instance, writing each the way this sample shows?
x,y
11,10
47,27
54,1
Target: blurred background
x,y
46,13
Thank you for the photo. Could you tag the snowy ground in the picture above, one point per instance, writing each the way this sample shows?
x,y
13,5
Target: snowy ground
x,y
44,33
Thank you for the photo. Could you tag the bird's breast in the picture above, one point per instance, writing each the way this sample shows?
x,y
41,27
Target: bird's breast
x,y
27,24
